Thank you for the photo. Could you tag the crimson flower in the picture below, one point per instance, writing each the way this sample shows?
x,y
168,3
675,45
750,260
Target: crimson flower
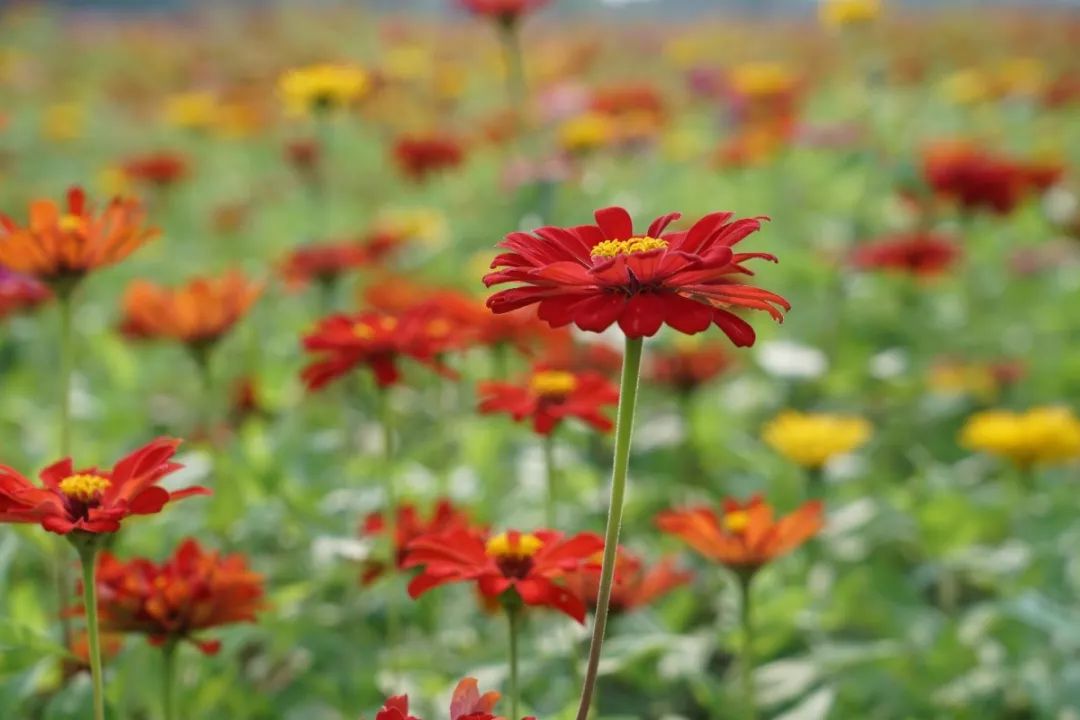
x,y
687,368
378,340
93,500
191,591
420,156
506,12
160,169
528,564
409,525
551,396
975,178
922,254
596,275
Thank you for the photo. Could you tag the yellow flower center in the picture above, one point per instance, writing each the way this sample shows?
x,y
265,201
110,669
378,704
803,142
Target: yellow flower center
x,y
737,521
613,248
439,327
513,546
72,223
363,331
84,488
553,383
366,330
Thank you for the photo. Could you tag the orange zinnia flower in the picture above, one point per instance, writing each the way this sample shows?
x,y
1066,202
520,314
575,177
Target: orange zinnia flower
x,y
93,500
191,591
197,314
61,247
744,536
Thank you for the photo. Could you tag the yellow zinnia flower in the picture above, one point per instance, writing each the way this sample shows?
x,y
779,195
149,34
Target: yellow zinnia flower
x,y
1039,436
761,79
813,439
323,88
840,13
191,110
586,132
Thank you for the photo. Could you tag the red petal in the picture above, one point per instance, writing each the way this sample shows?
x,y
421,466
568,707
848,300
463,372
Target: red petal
x,y
643,315
616,223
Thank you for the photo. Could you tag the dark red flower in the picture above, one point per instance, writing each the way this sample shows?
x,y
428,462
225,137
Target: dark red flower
x,y
976,179
526,563
507,12
408,526
634,585
686,368
21,292
922,254
550,396
191,591
420,156
596,275
342,343
93,500
161,169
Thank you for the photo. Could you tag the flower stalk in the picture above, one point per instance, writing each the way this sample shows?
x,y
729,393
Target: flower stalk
x,y
87,548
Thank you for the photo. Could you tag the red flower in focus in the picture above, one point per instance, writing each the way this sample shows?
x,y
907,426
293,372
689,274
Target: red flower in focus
x,y
596,275
923,254
21,292
686,368
977,179
191,591
92,500
551,396
408,526
420,156
634,586
466,704
160,169
506,12
322,263
744,537
377,340
526,563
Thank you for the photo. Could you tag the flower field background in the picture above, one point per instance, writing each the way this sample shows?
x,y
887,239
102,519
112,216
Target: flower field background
x,y
340,316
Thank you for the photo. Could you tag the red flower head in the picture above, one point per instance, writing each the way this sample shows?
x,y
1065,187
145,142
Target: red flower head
x,y
420,156
92,500
506,12
466,704
973,178
686,368
322,263
526,563
59,248
634,585
596,275
191,591
378,340
21,292
744,537
551,396
408,526
563,353
923,254
160,169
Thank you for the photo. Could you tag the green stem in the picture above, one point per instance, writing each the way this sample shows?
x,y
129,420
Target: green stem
x,y
386,415
746,662
516,88
88,558
513,615
67,370
550,470
168,679
623,431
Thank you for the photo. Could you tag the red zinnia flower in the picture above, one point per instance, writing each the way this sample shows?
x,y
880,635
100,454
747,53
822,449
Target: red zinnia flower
x,y
974,178
563,353
527,563
191,591
687,368
322,263
92,500
160,169
744,537
596,275
504,11
466,704
551,396
634,585
419,156
921,253
21,292
408,526
59,248
378,340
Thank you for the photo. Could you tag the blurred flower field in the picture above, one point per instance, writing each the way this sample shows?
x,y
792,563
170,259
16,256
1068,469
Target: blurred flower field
x,y
509,361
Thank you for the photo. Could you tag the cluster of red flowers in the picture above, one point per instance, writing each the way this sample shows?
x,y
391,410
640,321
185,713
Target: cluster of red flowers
x,y
975,178
169,602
